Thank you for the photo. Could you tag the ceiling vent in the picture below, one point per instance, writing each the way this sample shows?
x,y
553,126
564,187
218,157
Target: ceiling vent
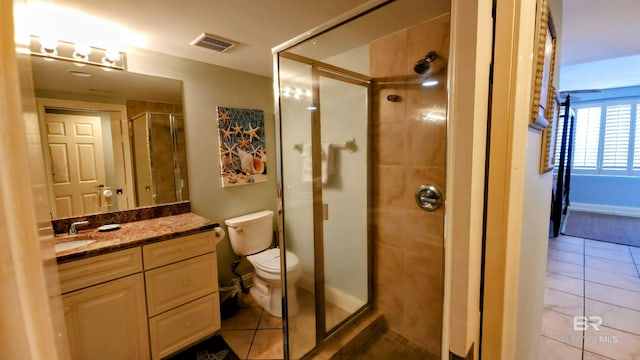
x,y
213,42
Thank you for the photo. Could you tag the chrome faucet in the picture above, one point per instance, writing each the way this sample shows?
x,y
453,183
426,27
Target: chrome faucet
x,y
72,228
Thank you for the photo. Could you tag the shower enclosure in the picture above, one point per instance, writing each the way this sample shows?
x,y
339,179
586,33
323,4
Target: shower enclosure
x,y
361,116
159,155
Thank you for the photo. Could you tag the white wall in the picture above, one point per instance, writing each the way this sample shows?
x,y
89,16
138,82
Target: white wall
x,y
533,251
356,59
535,235
205,87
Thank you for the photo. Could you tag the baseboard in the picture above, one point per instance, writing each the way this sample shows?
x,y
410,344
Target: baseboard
x,y
334,295
606,209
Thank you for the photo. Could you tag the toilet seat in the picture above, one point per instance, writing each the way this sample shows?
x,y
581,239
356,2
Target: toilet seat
x,y
269,261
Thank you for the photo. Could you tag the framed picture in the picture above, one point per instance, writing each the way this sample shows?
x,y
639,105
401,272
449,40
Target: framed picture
x,y
243,154
548,147
544,104
544,65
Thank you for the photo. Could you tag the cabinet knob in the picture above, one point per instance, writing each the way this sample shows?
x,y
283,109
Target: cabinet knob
x,y
186,282
187,325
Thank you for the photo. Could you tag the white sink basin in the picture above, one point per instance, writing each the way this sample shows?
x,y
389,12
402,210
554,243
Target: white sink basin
x,y
68,245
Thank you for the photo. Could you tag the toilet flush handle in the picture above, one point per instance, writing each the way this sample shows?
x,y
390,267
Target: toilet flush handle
x,y
238,229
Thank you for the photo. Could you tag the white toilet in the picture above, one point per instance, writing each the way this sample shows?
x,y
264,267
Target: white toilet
x,y
250,235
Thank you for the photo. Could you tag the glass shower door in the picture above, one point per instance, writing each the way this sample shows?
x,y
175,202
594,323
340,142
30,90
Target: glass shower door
x,y
324,131
142,160
160,158
297,236
345,189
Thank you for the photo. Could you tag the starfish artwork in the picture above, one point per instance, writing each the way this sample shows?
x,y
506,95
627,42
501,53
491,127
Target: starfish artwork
x,y
242,143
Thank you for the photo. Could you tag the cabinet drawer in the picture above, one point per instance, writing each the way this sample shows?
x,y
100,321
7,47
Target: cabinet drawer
x,y
183,326
185,247
173,285
78,274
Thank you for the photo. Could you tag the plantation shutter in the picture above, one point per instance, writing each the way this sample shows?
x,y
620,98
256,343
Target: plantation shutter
x,y
559,130
615,151
587,138
636,155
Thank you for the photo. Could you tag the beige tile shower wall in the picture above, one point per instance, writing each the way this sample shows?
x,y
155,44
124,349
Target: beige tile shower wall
x,y
409,151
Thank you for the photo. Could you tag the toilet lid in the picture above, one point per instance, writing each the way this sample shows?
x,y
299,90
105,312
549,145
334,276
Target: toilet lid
x,y
269,260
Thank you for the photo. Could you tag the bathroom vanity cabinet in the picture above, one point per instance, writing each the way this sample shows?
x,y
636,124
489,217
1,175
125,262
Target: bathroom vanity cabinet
x,y
119,306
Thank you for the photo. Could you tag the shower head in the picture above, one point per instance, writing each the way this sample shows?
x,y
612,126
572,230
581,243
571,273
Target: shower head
x,y
423,65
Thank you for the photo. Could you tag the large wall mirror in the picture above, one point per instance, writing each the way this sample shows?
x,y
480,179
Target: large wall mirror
x,y
112,140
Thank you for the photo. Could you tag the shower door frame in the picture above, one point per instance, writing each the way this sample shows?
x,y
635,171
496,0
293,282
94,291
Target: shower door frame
x,y
320,69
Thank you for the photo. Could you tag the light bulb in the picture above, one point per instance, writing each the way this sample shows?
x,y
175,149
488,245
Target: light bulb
x,y
82,51
49,46
111,57
430,83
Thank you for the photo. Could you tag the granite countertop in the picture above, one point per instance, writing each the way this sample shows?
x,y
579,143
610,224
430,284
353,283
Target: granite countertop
x,y
133,234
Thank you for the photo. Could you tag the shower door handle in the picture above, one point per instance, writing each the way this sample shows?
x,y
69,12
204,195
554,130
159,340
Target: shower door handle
x,y
428,197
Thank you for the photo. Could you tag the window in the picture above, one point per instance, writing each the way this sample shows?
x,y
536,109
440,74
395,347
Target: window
x,y
605,140
636,156
585,151
615,148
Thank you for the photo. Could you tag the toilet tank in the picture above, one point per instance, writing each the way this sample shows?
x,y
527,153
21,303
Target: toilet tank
x,y
251,233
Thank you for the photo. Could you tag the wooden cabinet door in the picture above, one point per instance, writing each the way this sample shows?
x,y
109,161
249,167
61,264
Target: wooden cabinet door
x,y
108,321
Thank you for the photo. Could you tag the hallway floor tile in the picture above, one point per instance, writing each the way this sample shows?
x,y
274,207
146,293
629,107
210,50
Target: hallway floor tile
x,y
592,301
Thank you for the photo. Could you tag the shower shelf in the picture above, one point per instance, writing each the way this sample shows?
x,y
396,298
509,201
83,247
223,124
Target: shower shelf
x,y
349,144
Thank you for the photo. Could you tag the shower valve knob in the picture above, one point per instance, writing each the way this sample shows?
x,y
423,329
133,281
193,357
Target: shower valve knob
x,y
428,197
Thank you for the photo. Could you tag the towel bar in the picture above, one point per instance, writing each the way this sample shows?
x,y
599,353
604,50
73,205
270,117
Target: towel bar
x,y
349,144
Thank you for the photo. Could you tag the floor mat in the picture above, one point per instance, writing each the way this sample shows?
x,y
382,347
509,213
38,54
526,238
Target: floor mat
x,y
604,227
214,348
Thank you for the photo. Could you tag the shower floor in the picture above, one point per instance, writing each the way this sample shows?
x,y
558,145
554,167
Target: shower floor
x,y
388,345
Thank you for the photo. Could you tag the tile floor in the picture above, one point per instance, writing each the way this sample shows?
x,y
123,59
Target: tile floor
x,y
594,281
254,334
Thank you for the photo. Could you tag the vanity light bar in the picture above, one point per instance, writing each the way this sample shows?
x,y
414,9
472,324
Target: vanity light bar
x,y
77,53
